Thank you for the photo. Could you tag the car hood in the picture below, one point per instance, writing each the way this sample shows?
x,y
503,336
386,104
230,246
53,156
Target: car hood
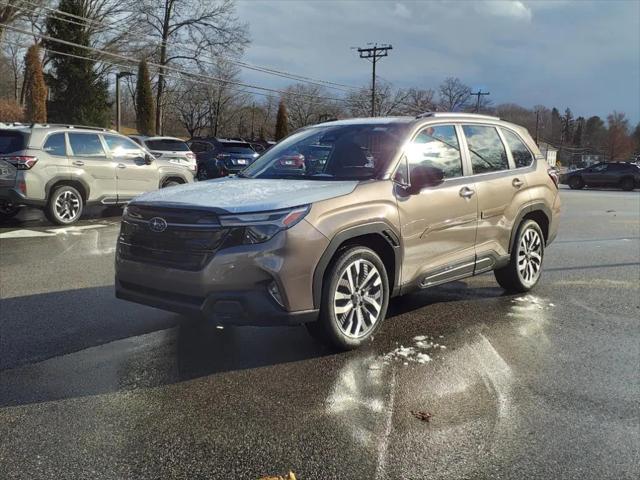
x,y
240,195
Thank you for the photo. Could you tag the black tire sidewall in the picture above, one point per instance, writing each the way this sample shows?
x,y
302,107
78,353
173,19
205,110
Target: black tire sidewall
x,y
50,210
333,334
576,183
627,184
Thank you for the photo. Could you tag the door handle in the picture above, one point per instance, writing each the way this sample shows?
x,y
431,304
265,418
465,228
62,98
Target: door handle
x,y
517,182
78,163
466,192
121,165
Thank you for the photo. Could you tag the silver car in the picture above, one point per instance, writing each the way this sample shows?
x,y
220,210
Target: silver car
x,y
169,149
63,168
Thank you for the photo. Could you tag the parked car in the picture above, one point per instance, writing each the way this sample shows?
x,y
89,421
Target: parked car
x,y
606,174
218,157
169,149
63,168
400,204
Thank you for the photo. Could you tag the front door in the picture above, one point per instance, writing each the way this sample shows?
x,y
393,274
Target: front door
x,y
438,224
90,162
133,174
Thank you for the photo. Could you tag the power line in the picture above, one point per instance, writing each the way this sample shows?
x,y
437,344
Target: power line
x,y
373,54
167,67
242,64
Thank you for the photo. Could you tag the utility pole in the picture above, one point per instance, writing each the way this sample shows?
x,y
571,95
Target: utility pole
x,y
537,122
119,75
253,112
373,54
478,94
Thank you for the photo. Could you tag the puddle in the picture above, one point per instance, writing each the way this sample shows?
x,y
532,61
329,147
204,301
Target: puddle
x,y
422,351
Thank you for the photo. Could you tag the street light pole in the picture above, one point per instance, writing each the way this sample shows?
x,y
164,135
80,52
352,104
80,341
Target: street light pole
x,y
119,75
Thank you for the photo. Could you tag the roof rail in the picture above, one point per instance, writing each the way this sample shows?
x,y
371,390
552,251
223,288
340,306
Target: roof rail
x,y
65,125
456,114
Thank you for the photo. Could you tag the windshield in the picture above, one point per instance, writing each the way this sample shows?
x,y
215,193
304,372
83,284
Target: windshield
x,y
243,148
12,141
340,152
167,145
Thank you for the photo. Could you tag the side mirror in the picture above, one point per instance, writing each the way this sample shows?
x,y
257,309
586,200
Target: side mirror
x,y
148,158
422,177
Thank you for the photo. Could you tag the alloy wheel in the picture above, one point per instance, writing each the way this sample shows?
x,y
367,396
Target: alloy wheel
x,y
529,257
67,206
358,298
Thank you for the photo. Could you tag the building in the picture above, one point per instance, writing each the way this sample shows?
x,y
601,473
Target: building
x,y
550,153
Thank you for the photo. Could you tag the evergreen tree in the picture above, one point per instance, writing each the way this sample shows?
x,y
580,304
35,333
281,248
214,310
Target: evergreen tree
x,y
577,134
145,116
595,133
556,126
78,94
34,86
282,122
567,126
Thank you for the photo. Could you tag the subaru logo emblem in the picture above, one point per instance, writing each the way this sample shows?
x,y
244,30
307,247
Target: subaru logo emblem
x,y
157,224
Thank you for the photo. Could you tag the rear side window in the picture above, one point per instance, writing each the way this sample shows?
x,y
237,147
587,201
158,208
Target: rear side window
x,y
122,146
11,141
167,145
86,145
486,149
522,157
436,147
56,145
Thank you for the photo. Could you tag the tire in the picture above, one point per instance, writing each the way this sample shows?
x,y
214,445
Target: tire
x,y
202,174
528,248
627,184
576,183
8,210
65,206
342,327
171,183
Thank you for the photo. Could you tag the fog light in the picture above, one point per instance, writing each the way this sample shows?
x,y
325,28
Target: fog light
x,y
274,291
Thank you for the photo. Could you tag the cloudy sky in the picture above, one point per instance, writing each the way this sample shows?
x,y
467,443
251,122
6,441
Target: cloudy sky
x,y
581,54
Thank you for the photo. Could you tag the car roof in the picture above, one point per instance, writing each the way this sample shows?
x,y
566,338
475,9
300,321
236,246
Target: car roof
x,y
161,138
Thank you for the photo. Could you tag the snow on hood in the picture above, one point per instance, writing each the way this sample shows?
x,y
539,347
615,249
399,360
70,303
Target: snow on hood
x,y
240,195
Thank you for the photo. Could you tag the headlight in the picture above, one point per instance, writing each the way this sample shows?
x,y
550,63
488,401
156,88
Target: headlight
x,y
261,227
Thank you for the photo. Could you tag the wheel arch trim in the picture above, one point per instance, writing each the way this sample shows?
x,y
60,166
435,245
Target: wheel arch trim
x,y
524,211
381,228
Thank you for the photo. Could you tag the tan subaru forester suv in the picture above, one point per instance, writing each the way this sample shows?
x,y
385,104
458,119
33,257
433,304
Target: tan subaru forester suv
x,y
63,168
337,218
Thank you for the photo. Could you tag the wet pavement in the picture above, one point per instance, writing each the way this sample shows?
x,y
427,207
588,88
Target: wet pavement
x,y
544,385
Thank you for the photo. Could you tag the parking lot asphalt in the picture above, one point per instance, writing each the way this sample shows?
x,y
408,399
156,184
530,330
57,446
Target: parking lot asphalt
x,y
544,385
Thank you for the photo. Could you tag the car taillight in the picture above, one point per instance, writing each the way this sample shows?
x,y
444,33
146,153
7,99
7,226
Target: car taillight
x,y
553,173
191,156
222,156
21,162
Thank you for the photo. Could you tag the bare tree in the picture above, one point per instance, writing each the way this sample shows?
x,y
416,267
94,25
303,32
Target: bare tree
x,y
418,101
620,145
186,31
454,95
16,10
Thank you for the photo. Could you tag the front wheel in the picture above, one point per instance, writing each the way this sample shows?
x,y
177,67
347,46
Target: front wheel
x,y
65,205
627,184
355,297
524,269
202,174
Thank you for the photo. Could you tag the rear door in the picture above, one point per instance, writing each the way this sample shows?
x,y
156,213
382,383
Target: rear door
x,y
133,175
438,224
89,161
501,189
596,175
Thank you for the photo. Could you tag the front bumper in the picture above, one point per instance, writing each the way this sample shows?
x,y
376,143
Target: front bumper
x,y
248,307
232,288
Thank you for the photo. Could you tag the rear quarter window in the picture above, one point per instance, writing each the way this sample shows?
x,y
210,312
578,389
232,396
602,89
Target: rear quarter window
x,y
55,145
522,156
12,141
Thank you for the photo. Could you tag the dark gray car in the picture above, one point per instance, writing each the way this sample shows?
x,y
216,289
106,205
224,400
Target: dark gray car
x,y
613,175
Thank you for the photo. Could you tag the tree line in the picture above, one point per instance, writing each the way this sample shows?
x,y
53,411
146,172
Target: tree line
x,y
188,81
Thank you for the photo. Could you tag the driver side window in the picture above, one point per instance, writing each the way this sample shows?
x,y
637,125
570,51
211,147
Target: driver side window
x,y
436,147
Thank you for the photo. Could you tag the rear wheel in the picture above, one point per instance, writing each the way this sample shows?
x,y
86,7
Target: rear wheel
x,y
627,184
64,206
171,183
202,173
523,271
576,183
8,210
355,296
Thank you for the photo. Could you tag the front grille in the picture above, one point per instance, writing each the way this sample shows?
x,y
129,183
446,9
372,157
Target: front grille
x,y
185,247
